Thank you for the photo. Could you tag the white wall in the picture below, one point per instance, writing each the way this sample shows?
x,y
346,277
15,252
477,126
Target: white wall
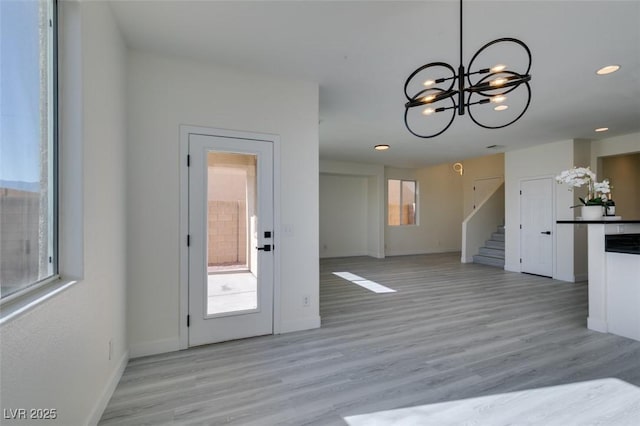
x,y
57,354
165,93
343,215
440,200
375,208
540,161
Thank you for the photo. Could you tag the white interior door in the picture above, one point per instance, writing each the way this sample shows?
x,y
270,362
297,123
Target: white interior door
x,y
231,261
536,221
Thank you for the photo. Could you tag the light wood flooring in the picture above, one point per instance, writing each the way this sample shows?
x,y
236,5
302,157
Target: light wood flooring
x,y
451,331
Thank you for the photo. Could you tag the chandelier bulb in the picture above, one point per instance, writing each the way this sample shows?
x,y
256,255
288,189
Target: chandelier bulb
x,y
428,111
498,68
501,107
498,82
429,83
498,99
429,99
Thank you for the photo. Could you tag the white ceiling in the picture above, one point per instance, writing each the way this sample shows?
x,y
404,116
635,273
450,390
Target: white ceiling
x,y
361,52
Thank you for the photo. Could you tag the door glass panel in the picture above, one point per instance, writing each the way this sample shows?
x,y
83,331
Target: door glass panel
x,y
232,260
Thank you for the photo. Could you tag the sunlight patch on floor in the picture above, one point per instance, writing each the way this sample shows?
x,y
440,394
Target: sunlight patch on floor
x,y
364,283
603,402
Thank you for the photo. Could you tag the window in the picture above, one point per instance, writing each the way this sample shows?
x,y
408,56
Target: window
x,y
28,218
401,202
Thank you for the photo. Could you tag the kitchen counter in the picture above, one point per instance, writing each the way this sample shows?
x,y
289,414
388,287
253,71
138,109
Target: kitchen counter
x,y
614,276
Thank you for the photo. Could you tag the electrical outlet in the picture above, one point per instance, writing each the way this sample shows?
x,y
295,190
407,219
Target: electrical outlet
x,y
305,301
110,349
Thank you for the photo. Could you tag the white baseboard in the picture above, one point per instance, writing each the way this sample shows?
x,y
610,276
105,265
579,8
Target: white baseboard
x,y
376,255
418,252
512,268
597,325
332,254
468,259
102,402
300,324
154,347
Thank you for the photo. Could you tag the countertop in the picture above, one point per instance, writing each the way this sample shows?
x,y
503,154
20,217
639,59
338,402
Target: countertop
x,y
606,222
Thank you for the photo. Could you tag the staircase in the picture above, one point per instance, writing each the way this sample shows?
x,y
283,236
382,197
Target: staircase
x,y
492,253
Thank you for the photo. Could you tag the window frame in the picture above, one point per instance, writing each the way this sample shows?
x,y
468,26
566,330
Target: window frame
x,y
415,212
51,283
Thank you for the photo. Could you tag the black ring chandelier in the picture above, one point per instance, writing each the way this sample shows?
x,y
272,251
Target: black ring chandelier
x,y
462,92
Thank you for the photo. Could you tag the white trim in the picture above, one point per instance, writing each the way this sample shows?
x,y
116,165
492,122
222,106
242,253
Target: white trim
x,y
512,268
154,347
300,324
107,393
597,325
34,298
185,131
184,231
277,260
35,287
391,253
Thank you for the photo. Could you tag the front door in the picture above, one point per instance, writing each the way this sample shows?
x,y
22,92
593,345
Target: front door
x,y
536,221
230,238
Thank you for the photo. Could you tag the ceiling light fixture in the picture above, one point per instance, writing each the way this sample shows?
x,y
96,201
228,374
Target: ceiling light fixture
x,y
478,87
383,147
602,129
608,69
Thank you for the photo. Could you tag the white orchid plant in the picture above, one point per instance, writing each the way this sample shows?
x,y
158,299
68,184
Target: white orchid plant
x,y
597,194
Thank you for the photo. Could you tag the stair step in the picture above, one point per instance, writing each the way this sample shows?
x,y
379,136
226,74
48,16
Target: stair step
x,y
493,252
488,260
501,229
496,236
494,244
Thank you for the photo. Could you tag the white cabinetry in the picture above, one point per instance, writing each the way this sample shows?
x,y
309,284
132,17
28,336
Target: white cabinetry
x,y
623,294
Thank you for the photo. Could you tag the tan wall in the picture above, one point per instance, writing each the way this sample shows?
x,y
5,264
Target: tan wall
x,y
623,171
489,166
227,233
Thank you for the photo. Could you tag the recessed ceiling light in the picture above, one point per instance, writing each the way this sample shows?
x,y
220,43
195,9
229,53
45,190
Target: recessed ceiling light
x,y
383,147
608,69
602,129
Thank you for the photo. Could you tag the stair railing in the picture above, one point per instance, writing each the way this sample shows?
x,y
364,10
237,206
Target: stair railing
x,y
484,220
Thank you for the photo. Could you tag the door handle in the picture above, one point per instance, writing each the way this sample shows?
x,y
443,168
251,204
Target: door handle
x,y
266,247
546,232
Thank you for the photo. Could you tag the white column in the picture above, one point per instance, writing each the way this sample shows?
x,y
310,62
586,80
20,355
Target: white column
x,y
597,319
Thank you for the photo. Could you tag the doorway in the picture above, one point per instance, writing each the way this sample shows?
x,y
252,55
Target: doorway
x,y
230,280
536,226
